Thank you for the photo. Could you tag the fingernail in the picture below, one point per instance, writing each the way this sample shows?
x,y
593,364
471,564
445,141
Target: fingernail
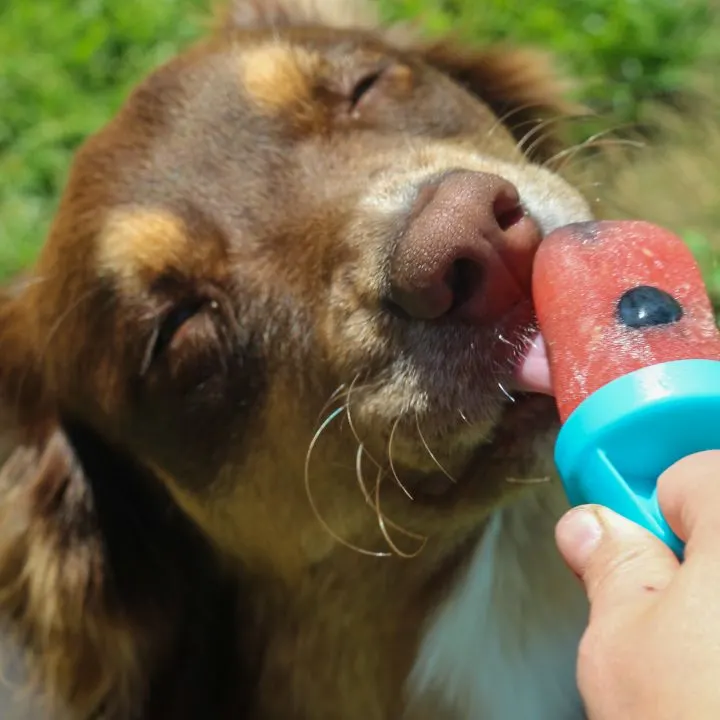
x,y
578,534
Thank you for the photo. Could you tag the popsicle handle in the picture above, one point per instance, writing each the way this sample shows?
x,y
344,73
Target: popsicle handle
x,y
602,484
619,440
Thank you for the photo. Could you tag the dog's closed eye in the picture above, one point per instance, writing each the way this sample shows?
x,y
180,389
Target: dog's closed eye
x,y
389,80
363,86
172,326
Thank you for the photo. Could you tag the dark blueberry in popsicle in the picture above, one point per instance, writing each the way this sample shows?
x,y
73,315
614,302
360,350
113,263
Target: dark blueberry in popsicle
x,y
647,306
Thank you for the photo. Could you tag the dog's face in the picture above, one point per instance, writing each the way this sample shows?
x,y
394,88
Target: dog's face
x,y
295,238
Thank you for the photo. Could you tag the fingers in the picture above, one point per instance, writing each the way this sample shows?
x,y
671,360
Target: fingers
x,y
621,563
689,496
617,561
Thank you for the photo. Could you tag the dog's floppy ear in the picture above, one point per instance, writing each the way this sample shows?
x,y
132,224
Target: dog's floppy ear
x,y
22,398
104,584
54,583
521,86
249,14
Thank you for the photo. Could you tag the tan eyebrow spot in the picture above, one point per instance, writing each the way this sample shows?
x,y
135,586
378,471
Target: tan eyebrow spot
x,y
140,242
277,76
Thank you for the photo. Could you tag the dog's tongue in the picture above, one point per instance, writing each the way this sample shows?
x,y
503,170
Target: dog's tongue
x,y
533,372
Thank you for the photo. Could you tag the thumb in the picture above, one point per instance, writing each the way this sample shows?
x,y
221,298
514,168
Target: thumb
x,y
618,561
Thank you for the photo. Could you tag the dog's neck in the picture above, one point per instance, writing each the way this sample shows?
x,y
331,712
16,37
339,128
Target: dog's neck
x,y
490,633
500,644
343,641
503,644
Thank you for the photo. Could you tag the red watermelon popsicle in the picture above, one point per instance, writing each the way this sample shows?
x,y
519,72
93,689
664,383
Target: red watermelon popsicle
x,y
613,297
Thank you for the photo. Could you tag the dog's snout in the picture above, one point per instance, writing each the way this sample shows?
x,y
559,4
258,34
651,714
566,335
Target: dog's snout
x,y
467,250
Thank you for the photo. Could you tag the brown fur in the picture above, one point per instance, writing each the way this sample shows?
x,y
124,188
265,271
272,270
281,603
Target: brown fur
x,y
159,556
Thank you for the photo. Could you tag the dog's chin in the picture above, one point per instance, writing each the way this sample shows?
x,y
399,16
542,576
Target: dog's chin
x,y
468,418
524,432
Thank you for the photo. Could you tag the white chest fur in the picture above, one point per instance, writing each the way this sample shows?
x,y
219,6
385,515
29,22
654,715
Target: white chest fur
x,y
503,644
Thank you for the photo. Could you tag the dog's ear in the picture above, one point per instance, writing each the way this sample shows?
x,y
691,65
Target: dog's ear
x,y
22,397
101,576
521,86
250,14
54,593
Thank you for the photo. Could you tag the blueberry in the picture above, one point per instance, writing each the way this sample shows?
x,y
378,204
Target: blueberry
x,y
647,306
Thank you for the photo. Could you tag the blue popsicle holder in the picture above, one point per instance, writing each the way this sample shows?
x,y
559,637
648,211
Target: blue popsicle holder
x,y
619,440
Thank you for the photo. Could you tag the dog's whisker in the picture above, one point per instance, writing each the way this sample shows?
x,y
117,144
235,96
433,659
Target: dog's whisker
x,y
430,452
569,166
503,339
382,523
528,481
392,462
544,125
308,489
539,129
505,392
336,395
503,119
374,502
597,140
351,422
359,474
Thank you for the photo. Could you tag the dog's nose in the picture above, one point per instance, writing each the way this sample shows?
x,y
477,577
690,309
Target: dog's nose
x,y
467,250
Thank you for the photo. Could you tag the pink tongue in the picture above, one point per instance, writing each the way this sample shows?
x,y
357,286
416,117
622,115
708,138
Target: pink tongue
x,y
533,372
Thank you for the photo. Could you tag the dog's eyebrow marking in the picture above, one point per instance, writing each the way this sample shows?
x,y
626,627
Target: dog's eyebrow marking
x,y
140,242
277,75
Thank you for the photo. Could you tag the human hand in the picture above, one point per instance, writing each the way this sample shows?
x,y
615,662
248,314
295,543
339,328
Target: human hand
x,y
652,646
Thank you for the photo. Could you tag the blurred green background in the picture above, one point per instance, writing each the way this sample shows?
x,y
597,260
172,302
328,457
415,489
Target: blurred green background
x,y
66,65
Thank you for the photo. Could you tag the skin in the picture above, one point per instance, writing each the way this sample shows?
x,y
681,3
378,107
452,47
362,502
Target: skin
x,y
652,645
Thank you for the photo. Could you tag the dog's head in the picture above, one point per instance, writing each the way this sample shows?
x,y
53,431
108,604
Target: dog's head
x,y
289,285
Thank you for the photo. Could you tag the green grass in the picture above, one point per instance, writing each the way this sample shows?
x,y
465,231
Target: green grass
x,y
625,51
66,66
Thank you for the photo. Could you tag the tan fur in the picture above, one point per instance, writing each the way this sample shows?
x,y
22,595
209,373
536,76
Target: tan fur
x,y
277,76
140,243
238,486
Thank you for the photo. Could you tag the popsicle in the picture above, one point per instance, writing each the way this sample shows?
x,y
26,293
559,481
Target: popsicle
x,y
634,358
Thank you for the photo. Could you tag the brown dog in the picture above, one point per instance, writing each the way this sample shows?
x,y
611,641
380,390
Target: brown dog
x,y
267,451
